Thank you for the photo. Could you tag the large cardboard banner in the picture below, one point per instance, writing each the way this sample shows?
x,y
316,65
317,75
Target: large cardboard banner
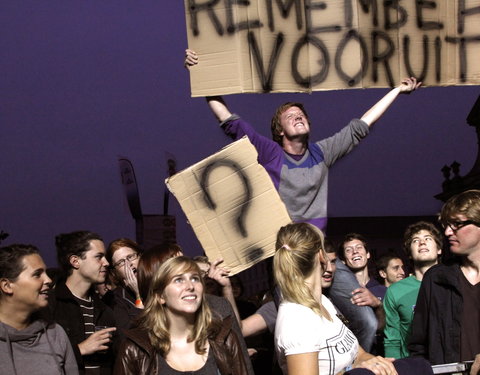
x,y
248,46
232,205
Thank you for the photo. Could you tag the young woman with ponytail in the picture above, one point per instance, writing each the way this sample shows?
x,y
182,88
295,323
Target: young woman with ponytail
x,y
310,339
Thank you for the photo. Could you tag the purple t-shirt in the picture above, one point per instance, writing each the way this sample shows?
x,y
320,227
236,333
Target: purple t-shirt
x,y
302,184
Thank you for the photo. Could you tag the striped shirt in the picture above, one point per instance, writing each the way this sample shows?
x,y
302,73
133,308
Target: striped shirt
x,y
92,367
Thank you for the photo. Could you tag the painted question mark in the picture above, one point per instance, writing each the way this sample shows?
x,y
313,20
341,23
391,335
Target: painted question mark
x,y
253,254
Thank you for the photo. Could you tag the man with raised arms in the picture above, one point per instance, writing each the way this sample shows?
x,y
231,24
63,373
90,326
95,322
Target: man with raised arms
x,y
298,167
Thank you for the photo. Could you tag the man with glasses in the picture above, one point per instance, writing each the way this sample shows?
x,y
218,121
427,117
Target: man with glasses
x,y
446,324
123,256
422,242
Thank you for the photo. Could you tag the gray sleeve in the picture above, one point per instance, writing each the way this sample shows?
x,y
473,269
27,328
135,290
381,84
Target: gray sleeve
x,y
269,313
70,363
344,141
362,319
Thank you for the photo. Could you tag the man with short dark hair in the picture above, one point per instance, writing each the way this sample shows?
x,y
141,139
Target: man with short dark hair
x,y
446,324
88,322
423,244
390,269
355,255
355,294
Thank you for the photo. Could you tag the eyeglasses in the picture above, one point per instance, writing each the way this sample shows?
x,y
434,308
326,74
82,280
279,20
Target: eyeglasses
x,y
459,224
130,258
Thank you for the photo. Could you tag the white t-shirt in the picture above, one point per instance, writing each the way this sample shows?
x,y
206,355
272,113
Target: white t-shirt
x,y
299,330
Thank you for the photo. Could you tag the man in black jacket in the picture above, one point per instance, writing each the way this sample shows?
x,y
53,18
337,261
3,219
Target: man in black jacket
x,y
446,324
88,322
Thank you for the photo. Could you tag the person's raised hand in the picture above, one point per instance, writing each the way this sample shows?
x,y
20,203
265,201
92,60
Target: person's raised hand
x,y
130,279
191,58
409,85
219,274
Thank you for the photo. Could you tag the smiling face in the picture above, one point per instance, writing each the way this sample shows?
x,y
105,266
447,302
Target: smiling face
x,y
423,249
30,290
183,294
466,239
393,272
92,266
356,255
294,124
124,257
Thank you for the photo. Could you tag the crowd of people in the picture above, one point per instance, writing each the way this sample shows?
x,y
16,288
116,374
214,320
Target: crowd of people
x,y
121,309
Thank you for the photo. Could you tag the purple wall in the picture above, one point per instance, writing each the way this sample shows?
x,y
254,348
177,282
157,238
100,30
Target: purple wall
x,y
84,81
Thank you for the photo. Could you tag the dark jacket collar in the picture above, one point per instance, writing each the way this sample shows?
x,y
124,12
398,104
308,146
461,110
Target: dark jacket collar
x,y
446,274
62,293
140,337
219,333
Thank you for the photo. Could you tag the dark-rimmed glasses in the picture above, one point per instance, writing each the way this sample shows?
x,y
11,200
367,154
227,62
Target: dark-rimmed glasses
x,y
458,224
130,258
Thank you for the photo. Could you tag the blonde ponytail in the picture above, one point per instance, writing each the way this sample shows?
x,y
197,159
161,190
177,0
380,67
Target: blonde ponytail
x,y
297,247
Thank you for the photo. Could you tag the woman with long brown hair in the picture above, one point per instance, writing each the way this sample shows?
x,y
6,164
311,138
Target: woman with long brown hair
x,y
177,331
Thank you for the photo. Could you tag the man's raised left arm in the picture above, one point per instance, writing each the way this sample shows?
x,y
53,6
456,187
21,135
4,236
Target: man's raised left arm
x,y
406,87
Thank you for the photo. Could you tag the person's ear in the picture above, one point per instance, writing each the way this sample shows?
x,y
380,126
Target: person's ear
x,y
74,261
382,274
159,299
6,286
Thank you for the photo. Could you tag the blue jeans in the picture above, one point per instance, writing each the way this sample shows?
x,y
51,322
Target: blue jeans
x,y
362,320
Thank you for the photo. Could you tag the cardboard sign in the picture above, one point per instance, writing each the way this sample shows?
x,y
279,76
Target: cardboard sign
x,y
232,205
248,46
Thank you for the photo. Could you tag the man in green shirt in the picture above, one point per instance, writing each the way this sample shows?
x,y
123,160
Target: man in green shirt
x,y
423,244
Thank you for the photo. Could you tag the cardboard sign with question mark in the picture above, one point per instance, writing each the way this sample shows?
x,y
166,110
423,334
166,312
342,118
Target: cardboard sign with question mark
x,y
232,205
